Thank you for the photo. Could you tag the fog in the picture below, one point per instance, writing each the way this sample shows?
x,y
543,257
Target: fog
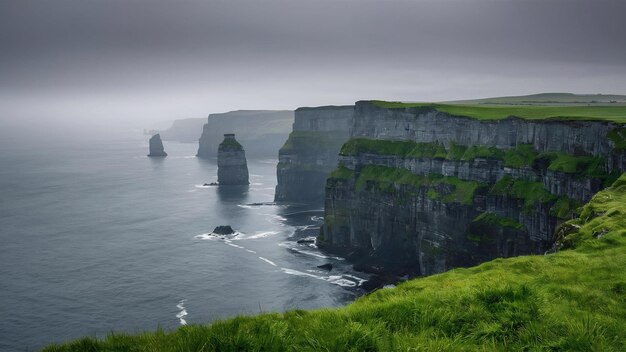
x,y
111,68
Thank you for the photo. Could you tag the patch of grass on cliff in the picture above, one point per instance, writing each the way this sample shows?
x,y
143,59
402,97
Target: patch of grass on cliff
x,y
603,214
342,172
529,112
459,191
497,220
564,208
572,300
522,156
532,193
312,142
618,136
358,146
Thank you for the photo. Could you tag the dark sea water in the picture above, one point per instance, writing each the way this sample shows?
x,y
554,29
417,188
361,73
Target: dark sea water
x,y
97,238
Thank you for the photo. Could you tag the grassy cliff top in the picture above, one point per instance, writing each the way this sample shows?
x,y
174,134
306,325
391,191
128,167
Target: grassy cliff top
x,y
612,113
571,300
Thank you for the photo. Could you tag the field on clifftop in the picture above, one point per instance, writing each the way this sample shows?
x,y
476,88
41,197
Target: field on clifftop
x,y
572,300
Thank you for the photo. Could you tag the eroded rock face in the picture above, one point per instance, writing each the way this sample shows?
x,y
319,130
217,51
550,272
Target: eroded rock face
x,y
231,162
427,212
156,146
310,153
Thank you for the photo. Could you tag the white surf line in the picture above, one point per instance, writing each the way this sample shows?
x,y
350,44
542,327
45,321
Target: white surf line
x,y
263,234
333,279
297,250
234,245
267,261
250,251
361,280
182,313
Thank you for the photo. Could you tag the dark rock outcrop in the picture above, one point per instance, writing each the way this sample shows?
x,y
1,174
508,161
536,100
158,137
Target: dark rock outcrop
x,y
156,146
466,191
310,153
232,167
261,131
224,230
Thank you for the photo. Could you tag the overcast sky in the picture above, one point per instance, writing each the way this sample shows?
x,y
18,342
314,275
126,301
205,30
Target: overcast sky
x,y
141,63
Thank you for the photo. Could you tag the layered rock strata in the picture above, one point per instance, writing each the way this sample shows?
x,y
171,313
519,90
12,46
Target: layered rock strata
x,y
310,153
419,191
232,167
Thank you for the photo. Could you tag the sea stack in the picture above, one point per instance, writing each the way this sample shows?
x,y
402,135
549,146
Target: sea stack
x,y
156,146
232,168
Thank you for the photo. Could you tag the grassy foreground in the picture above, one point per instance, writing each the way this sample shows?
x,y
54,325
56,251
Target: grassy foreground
x,y
574,300
529,112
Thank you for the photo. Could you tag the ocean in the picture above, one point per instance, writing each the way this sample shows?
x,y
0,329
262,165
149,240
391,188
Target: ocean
x,y
98,238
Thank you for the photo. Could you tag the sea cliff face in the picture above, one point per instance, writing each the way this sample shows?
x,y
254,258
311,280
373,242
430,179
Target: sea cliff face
x,y
310,153
261,131
419,191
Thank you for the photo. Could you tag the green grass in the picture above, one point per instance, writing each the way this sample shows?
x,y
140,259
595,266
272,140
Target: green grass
x,y
564,208
384,178
529,112
342,172
618,136
523,155
532,193
312,142
573,300
497,220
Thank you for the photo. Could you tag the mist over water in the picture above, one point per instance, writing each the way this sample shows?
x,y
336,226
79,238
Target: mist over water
x,y
97,238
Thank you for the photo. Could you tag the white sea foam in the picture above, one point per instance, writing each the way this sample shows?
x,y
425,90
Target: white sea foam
x,y
206,236
300,273
234,245
250,251
333,279
292,247
342,282
317,218
359,279
267,261
262,234
182,312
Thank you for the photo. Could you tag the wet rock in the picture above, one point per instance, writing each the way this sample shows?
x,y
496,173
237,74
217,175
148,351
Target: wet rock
x,y
327,266
306,240
223,230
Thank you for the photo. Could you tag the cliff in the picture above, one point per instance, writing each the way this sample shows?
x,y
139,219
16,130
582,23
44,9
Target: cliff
x,y
310,153
261,131
156,146
232,167
424,188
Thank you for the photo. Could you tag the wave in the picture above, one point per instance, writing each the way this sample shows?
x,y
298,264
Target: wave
x,y
234,245
182,312
262,234
267,261
292,247
338,280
